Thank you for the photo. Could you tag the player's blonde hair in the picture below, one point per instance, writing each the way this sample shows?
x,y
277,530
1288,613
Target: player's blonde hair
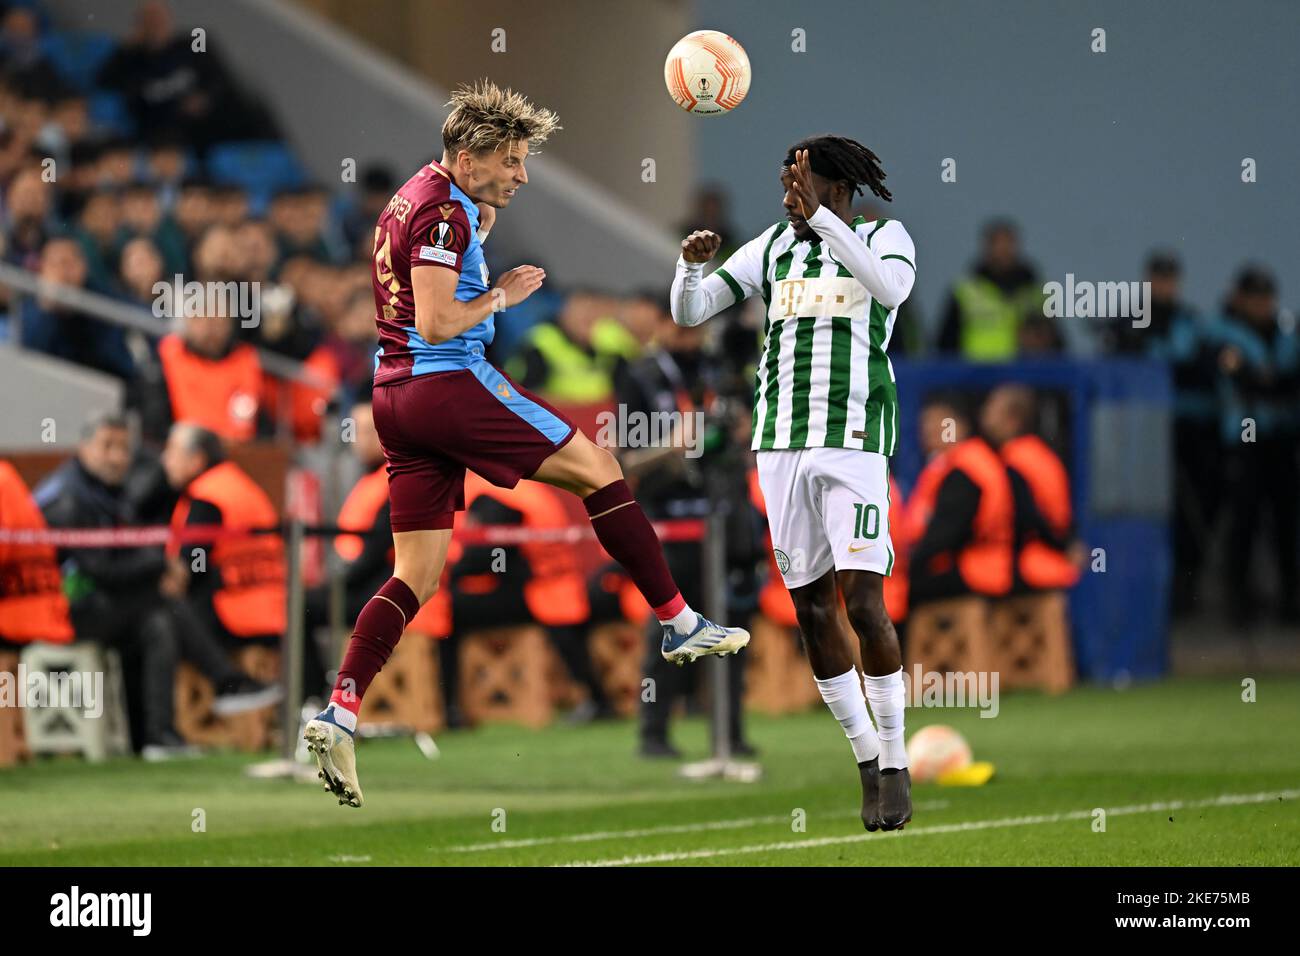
x,y
484,116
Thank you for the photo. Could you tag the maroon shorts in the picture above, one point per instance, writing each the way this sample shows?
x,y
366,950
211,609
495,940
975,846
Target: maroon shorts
x,y
432,427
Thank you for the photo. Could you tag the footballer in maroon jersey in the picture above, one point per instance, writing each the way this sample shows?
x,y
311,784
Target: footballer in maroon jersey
x,y
440,407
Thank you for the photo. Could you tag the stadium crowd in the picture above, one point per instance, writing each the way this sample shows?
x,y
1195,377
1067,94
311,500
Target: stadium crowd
x,y
129,162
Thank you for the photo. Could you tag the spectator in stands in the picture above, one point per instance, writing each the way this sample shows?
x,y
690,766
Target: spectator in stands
x,y
987,308
235,585
352,343
28,204
358,220
1040,488
143,217
1259,394
115,165
166,165
202,375
230,205
140,268
55,329
256,240
1176,335
169,85
959,523
24,63
300,217
121,597
575,360
97,230
194,210
69,124
673,379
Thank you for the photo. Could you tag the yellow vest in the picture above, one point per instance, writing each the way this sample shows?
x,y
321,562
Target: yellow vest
x,y
576,376
990,318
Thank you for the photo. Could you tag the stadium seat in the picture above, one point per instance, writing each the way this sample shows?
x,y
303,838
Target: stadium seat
x,y
616,649
78,56
778,679
250,731
109,113
13,742
950,636
261,168
405,695
505,676
55,729
1031,640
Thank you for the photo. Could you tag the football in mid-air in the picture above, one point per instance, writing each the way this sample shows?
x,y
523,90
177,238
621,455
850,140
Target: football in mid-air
x,y
707,73
936,750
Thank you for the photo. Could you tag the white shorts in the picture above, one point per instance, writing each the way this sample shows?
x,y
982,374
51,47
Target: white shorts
x,y
826,508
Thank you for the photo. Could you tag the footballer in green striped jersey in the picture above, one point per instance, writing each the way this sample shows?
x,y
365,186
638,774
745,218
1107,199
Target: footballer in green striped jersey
x,y
824,425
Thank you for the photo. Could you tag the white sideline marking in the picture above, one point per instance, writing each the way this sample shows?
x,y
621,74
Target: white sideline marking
x,y
644,831
1224,800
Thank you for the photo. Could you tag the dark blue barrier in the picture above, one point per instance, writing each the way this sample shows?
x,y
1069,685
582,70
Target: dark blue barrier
x,y
1115,440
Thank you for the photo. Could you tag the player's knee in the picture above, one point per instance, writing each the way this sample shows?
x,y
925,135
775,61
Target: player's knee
x,y
422,581
599,468
866,610
816,619
605,467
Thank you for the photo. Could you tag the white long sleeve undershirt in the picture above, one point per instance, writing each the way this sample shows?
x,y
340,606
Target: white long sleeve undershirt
x,y
695,296
889,281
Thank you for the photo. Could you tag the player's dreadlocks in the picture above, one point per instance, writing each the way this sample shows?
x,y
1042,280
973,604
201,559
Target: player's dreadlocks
x,y
842,159
484,116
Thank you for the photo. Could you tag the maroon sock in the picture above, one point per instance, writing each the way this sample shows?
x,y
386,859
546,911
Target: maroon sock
x,y
378,629
623,530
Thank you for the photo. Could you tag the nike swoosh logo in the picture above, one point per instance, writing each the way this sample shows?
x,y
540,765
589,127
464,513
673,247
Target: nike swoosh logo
x,y
865,547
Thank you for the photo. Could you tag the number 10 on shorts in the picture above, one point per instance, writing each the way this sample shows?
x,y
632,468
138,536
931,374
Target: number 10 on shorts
x,y
866,521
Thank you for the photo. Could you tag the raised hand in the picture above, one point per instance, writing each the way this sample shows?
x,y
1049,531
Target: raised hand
x,y
804,192
516,285
701,246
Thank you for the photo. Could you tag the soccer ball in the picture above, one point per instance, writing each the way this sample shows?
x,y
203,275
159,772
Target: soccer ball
x,y
936,750
707,73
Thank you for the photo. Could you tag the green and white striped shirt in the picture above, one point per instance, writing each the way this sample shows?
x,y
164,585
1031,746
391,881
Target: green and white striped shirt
x,y
824,379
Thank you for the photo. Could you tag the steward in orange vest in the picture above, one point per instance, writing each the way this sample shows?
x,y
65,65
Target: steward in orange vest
x,y
304,404
1040,487
32,603
960,516
554,589
203,376
241,580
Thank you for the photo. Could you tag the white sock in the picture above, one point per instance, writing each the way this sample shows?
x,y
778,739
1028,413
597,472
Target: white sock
x,y
888,699
845,700
684,621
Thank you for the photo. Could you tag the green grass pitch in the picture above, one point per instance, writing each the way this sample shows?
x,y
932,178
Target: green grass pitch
x,y
1187,771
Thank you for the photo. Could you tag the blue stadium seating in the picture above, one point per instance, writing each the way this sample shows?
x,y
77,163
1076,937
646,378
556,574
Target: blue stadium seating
x,y
261,168
78,56
109,112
